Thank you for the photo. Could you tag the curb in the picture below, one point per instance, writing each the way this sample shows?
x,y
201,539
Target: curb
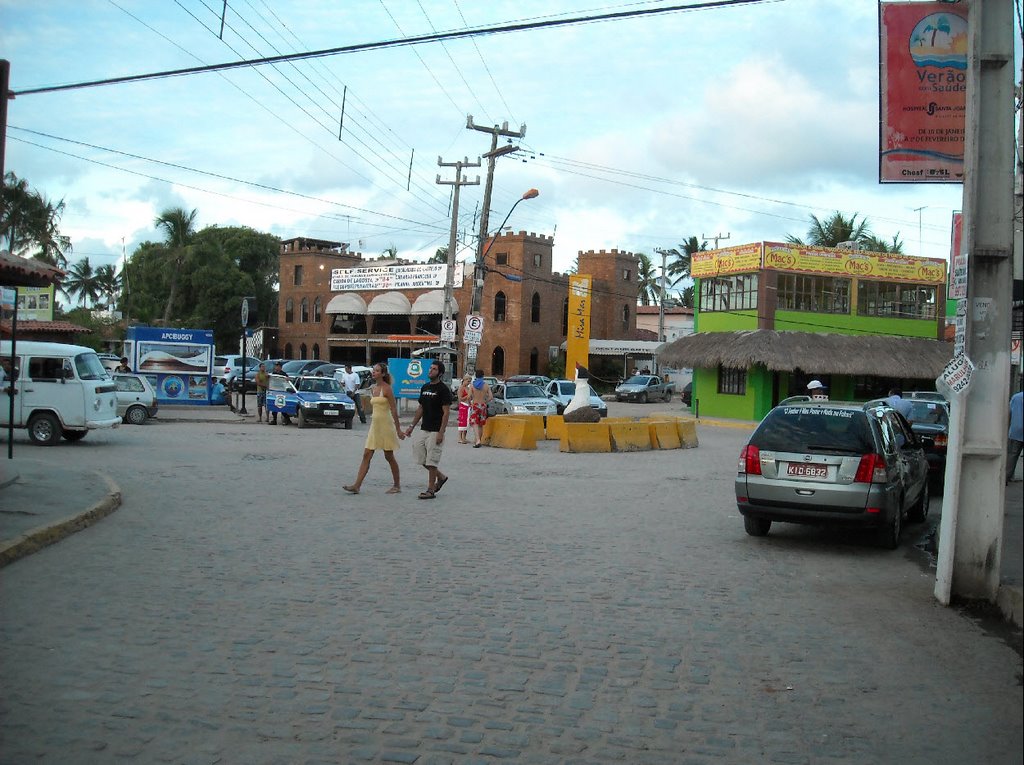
x,y
44,536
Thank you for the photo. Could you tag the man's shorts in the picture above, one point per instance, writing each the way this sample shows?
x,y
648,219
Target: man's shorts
x,y
425,449
261,398
477,414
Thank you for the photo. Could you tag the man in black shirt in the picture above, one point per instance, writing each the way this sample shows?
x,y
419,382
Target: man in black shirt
x,y
435,400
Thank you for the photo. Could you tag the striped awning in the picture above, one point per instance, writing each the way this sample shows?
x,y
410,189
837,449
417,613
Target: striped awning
x,y
389,303
346,302
432,302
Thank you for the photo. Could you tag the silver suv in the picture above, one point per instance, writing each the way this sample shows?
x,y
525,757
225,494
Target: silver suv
x,y
228,366
827,462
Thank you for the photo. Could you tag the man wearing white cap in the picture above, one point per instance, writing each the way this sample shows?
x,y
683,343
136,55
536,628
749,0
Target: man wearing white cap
x,y
817,390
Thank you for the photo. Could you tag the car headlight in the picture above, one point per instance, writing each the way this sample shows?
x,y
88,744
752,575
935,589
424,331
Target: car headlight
x,y
308,404
518,408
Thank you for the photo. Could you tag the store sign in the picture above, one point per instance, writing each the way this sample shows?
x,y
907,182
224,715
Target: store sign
x,y
415,276
923,81
743,258
859,263
957,374
408,376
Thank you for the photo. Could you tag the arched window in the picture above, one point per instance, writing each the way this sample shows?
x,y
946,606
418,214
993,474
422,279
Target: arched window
x,y
625,317
565,316
316,310
289,311
499,307
535,308
534,359
288,348
316,348
498,361
304,311
302,351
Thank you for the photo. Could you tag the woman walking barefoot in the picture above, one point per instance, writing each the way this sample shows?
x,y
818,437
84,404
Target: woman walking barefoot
x,y
385,431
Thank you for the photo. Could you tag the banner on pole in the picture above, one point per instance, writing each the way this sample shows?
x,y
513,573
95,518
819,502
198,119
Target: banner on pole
x,y
577,346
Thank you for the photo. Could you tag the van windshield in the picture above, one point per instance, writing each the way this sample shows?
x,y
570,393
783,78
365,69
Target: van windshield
x,y
89,367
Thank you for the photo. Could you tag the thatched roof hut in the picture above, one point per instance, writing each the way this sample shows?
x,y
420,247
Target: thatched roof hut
x,y
873,355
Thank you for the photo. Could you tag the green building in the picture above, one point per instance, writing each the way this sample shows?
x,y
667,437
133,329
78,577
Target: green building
x,y
770,317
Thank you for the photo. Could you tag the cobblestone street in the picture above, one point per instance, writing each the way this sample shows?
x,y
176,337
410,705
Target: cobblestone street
x,y
544,608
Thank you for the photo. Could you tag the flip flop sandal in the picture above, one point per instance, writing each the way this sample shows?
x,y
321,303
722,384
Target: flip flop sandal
x,y
426,495
351,489
441,483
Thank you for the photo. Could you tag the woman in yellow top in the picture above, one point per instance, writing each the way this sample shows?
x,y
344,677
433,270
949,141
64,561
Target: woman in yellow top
x,y
385,430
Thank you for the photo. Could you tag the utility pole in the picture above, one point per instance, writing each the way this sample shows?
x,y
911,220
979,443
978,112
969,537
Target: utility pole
x,y
716,237
920,252
469,365
661,302
972,524
458,183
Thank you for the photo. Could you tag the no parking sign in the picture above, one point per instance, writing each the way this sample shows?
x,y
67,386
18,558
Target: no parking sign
x,y
474,330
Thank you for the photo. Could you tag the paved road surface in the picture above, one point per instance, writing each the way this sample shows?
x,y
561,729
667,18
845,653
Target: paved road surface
x,y
545,608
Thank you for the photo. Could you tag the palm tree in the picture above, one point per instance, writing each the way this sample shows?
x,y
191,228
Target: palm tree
x,y
390,252
648,283
179,231
678,268
833,230
440,256
875,244
108,284
30,223
81,280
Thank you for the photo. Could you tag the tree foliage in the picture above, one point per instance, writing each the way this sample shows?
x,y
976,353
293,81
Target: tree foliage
x,y
178,227
648,281
678,268
219,267
30,223
833,230
82,282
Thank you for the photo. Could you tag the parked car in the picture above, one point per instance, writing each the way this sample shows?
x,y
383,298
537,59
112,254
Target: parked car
x,y
365,375
644,388
520,398
325,369
136,399
228,366
310,400
563,391
827,462
687,394
540,380
299,367
929,419
926,395
110,361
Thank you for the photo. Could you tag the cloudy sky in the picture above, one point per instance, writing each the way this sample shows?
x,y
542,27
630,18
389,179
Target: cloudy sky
x,y
640,133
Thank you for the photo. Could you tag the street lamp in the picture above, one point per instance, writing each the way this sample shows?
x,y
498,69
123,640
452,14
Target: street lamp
x,y
480,269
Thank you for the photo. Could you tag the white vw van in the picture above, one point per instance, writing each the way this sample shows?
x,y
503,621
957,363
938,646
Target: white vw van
x,y
57,390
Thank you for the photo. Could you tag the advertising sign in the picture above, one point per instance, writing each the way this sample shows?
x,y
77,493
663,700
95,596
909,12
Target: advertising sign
x,y
35,303
177,362
956,238
923,92
408,376
958,276
414,276
742,258
957,374
876,265
577,345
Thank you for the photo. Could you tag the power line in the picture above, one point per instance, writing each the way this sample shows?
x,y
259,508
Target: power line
x,y
402,42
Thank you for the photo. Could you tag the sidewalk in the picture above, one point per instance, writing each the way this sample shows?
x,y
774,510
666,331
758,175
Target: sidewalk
x,y
34,514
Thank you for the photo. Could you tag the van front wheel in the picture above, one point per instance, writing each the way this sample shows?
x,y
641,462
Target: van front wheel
x,y
44,429
74,435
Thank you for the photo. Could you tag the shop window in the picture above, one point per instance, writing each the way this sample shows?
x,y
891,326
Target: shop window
x,y
348,324
304,310
498,362
316,350
535,308
499,306
534,362
297,276
392,324
317,306
819,294
501,258
896,301
732,382
289,311
728,293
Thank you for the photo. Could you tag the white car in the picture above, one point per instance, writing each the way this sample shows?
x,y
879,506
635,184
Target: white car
x,y
563,391
136,400
521,398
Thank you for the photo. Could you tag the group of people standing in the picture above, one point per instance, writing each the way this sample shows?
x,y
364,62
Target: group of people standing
x,y
474,395
386,431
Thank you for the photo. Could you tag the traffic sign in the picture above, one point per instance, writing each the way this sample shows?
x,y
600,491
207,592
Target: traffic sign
x,y
448,330
473,332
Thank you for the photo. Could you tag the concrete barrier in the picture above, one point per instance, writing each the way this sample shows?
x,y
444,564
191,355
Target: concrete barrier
x,y
630,436
664,434
585,437
687,433
555,427
509,432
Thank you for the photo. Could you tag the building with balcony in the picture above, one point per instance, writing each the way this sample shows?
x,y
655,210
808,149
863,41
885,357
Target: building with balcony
x,y
340,307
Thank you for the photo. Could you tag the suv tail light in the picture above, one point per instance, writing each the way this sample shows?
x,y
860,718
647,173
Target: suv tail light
x,y
871,469
942,439
750,460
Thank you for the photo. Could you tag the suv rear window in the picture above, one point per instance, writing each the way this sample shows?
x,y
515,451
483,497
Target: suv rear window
x,y
929,412
814,429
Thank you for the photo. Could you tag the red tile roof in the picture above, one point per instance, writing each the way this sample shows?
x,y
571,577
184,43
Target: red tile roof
x,y
26,272
33,327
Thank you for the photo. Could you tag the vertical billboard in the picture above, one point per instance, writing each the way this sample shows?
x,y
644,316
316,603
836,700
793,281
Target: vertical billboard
x,y
922,92
577,342
177,362
35,303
